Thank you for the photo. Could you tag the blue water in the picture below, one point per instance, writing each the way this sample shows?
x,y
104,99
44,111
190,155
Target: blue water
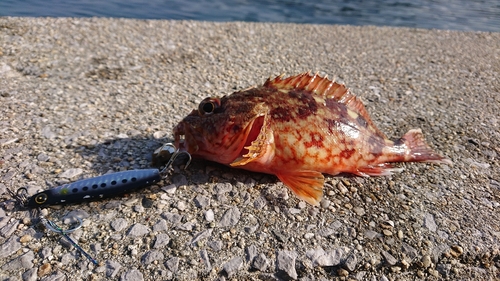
x,y
479,15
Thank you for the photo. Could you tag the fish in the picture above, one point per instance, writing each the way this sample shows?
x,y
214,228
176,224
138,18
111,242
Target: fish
x,y
297,128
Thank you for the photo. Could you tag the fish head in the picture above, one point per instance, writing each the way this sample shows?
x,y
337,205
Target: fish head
x,y
220,128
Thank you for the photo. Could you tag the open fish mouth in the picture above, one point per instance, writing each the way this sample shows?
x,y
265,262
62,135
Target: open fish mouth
x,y
252,133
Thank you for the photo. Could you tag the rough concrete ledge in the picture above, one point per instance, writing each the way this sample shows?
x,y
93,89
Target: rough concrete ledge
x,y
81,97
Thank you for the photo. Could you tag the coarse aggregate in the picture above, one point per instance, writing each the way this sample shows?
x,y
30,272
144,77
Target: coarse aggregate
x,y
80,97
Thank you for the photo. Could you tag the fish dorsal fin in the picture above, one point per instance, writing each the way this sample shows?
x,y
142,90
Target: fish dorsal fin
x,y
324,87
313,83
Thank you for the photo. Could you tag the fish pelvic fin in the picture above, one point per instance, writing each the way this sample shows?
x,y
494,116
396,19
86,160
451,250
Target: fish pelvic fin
x,y
306,185
418,150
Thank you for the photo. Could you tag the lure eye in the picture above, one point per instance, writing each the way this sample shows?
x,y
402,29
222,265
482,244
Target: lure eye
x,y
41,198
208,106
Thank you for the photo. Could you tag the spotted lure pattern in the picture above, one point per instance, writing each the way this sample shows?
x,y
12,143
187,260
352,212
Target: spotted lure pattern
x,y
298,129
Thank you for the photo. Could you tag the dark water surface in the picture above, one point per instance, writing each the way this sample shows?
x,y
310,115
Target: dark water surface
x,y
480,15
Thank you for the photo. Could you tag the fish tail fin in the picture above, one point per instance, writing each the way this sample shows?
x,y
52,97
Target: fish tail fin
x,y
418,150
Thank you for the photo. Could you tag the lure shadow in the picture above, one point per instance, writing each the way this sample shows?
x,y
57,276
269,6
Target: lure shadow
x,y
121,153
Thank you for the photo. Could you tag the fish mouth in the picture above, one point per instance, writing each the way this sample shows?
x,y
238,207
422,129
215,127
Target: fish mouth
x,y
252,132
194,141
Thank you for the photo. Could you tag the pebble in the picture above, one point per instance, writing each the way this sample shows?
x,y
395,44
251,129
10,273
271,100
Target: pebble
x,y
260,203
151,256
232,266
409,251
138,230
23,261
173,218
251,253
10,246
181,206
370,234
179,180
30,274
71,173
230,217
138,208
285,264
359,211
67,258
308,235
426,261
202,235
25,238
160,226
215,245
44,269
456,251
342,272
161,241
112,268
390,259
172,264
351,262
321,258
46,253
205,259
132,275
56,276
201,201
119,224
9,228
170,189
429,222
260,262
209,215
72,217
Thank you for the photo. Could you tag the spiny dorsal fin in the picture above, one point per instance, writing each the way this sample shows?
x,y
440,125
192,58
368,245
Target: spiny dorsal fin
x,y
326,88
313,83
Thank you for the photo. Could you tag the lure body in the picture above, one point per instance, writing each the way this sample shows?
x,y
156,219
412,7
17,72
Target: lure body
x,y
95,188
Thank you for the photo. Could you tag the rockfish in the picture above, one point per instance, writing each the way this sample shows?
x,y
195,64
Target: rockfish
x,y
298,129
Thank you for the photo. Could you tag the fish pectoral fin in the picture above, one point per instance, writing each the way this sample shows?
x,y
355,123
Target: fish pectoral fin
x,y
307,185
384,169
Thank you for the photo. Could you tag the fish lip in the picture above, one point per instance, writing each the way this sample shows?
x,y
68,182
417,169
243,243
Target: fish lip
x,y
180,138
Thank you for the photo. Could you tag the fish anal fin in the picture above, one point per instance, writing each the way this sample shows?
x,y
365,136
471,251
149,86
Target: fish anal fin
x,y
306,185
384,169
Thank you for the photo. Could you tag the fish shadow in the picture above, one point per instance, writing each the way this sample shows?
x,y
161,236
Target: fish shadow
x,y
119,154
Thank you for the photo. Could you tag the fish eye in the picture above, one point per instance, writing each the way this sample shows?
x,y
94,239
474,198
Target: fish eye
x,y
208,106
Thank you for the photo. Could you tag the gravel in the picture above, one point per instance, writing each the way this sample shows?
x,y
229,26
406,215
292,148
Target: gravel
x,y
83,97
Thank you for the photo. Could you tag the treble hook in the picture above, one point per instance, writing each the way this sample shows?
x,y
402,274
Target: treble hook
x,y
170,152
52,226
21,196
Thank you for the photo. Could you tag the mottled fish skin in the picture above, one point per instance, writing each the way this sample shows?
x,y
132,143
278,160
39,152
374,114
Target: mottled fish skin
x,y
297,128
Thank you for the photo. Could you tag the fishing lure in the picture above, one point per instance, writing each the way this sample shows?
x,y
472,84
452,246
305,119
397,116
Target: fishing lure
x,y
104,186
97,188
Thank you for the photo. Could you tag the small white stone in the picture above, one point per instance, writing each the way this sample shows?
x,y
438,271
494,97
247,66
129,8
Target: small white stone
x,y
181,206
309,235
209,215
